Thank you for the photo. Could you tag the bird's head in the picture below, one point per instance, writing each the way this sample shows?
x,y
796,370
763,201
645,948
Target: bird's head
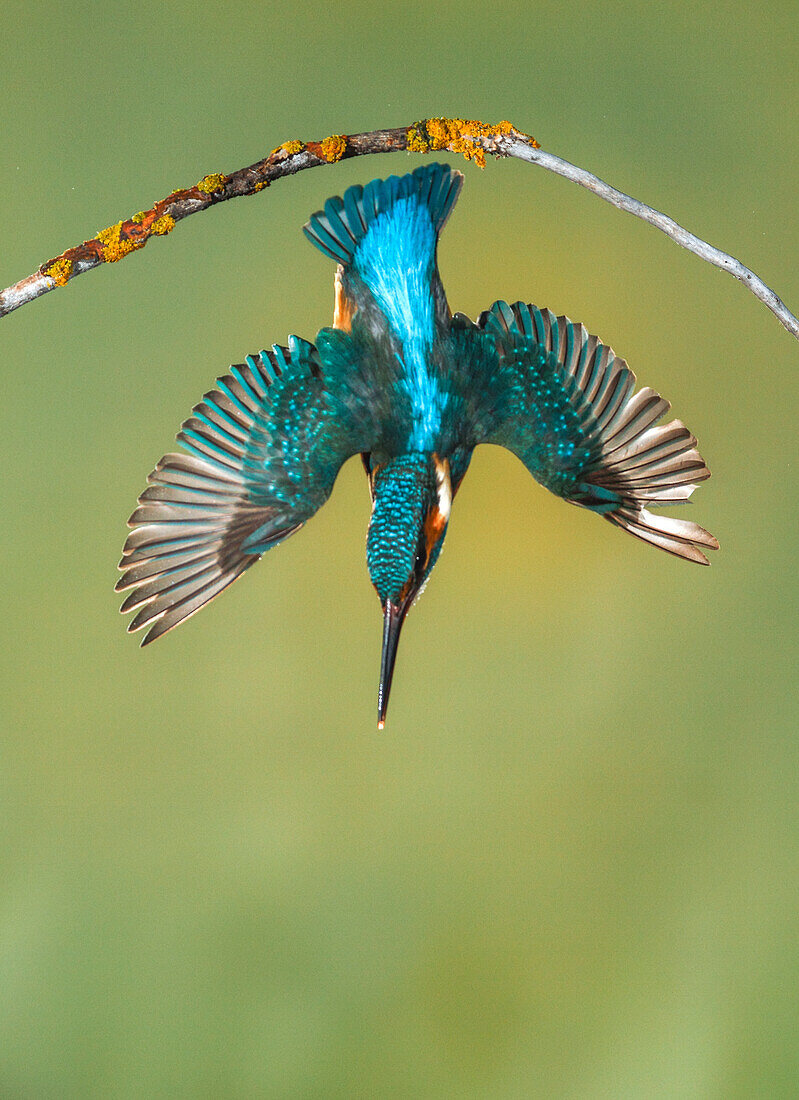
x,y
412,496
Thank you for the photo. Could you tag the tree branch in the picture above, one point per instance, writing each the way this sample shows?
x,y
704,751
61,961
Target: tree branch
x,y
472,139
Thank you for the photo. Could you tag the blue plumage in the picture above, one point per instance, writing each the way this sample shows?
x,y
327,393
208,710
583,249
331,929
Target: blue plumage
x,y
395,262
413,389
339,229
387,235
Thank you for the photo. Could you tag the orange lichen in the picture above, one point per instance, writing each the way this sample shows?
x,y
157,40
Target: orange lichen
x,y
115,246
210,185
287,149
163,225
458,135
59,271
334,147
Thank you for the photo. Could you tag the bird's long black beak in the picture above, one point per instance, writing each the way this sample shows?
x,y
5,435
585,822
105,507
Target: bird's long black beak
x,y
394,616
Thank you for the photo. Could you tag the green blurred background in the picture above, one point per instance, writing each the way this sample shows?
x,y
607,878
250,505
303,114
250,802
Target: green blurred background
x,y
568,867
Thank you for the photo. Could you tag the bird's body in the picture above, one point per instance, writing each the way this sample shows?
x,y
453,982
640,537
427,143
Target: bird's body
x,y
413,389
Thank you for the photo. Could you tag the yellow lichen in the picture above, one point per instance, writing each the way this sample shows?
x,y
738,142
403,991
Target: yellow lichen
x,y
210,185
261,185
334,147
139,218
287,149
60,271
115,246
458,135
416,142
163,225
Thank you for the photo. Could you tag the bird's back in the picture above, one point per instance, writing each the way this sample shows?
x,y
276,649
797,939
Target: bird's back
x,y
390,299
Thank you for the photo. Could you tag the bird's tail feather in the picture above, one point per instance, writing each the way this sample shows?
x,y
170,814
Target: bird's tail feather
x,y
339,229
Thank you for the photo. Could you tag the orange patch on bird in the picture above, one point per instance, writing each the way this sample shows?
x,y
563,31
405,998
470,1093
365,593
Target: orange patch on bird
x,y
438,516
344,309
434,526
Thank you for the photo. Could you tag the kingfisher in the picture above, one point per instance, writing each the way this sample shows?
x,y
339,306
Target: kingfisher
x,y
412,388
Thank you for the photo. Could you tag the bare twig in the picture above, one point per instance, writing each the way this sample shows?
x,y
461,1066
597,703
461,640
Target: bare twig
x,y
663,222
473,139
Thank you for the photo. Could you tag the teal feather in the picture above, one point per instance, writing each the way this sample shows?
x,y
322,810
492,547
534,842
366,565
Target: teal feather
x,y
265,448
566,407
340,230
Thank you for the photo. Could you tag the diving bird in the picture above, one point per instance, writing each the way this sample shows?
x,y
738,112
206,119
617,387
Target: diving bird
x,y
412,389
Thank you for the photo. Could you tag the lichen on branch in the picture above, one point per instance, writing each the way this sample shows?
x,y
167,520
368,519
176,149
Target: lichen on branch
x,y
469,138
460,135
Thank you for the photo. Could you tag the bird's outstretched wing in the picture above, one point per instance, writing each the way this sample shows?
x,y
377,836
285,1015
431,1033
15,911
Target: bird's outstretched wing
x,y
564,403
264,451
